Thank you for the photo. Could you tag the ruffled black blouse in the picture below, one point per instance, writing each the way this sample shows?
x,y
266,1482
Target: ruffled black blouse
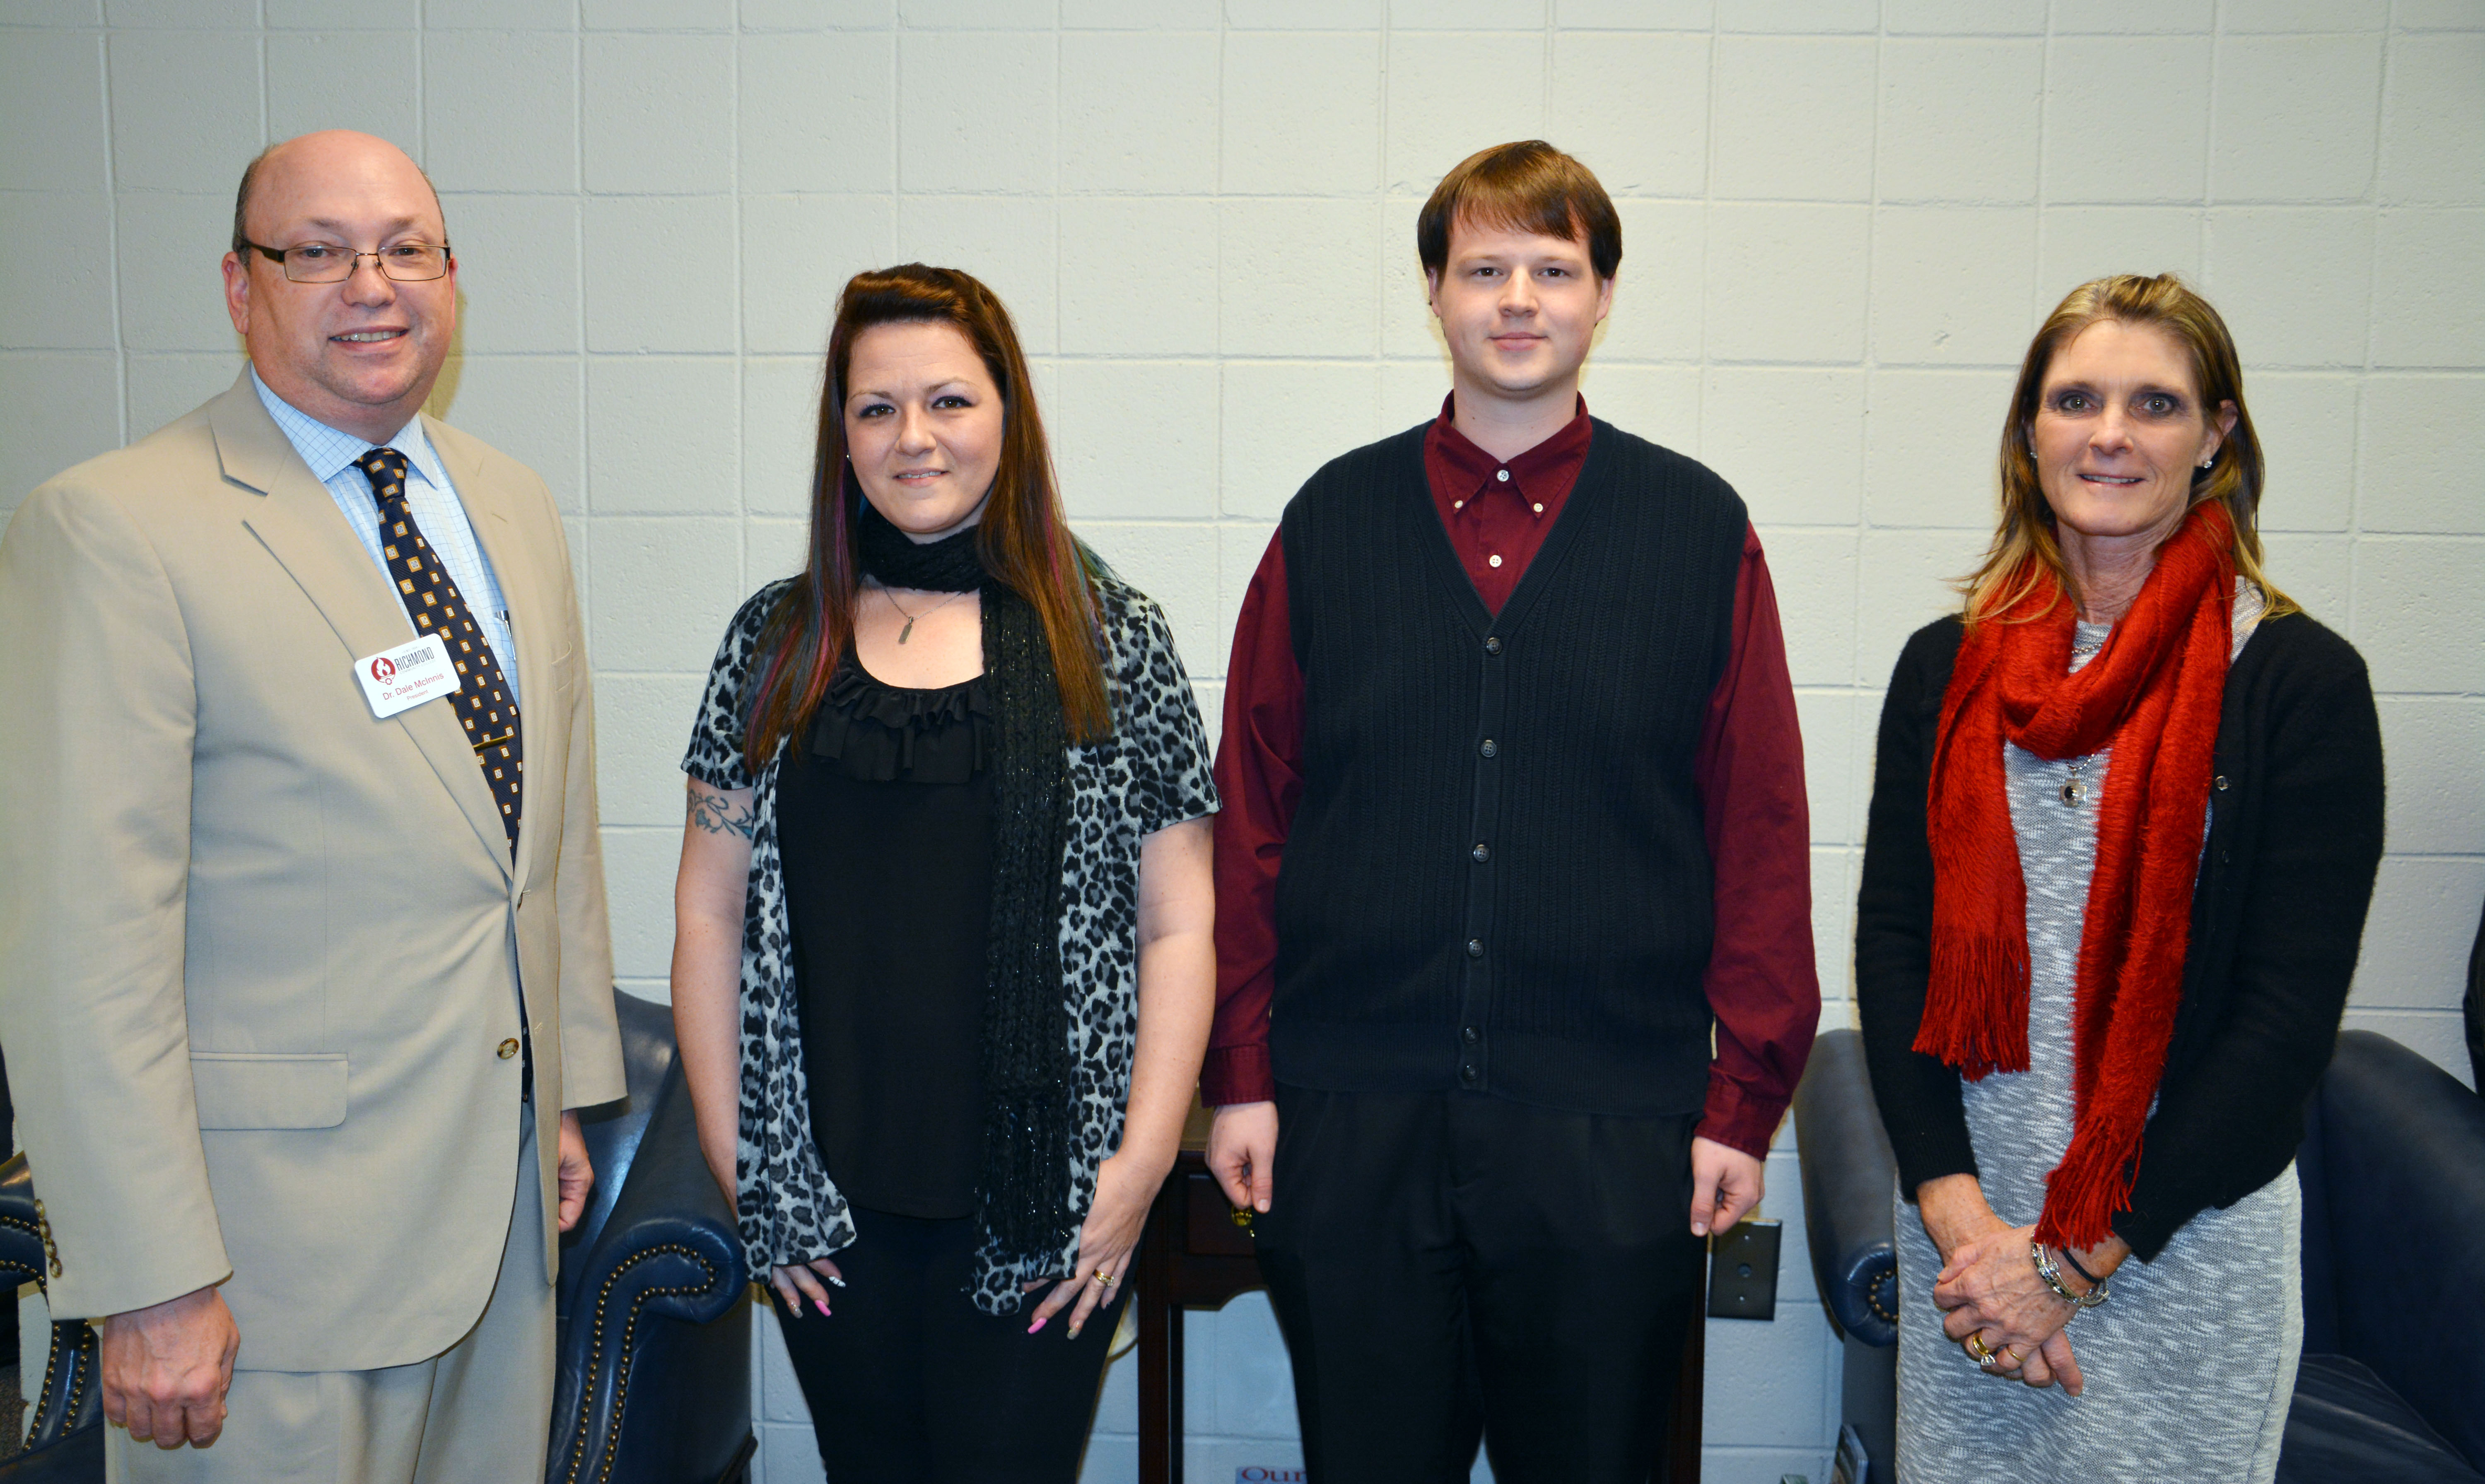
x,y
887,822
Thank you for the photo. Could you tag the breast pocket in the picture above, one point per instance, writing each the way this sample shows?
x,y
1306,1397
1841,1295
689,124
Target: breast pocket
x,y
268,1090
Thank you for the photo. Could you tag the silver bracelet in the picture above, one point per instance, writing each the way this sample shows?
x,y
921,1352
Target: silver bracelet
x,y
2053,1277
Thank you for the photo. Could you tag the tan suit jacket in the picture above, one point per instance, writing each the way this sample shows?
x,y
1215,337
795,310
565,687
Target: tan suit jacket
x,y
258,950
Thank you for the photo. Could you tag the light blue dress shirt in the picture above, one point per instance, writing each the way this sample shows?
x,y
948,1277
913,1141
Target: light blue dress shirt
x,y
429,495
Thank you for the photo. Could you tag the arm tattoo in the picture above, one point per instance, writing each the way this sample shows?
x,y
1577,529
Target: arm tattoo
x,y
716,814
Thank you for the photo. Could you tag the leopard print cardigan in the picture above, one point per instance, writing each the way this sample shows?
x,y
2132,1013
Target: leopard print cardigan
x,y
1151,772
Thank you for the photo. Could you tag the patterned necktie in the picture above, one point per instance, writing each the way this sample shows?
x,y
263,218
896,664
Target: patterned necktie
x,y
436,606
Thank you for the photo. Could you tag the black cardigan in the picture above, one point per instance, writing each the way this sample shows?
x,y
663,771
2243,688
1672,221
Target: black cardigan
x,y
2295,837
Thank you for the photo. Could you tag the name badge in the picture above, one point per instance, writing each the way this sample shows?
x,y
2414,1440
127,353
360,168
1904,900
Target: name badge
x,y
397,679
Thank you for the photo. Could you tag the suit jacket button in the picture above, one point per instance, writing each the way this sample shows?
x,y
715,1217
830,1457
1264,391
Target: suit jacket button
x,y
509,1048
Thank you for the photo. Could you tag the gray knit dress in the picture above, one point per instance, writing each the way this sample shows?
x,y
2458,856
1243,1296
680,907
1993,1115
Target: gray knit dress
x,y
2191,1365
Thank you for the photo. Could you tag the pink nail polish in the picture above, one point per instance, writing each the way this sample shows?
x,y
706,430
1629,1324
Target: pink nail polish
x,y
822,1305
1038,1325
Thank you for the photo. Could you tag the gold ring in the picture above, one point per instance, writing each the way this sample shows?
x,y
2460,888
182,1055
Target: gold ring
x,y
1105,1278
1977,1349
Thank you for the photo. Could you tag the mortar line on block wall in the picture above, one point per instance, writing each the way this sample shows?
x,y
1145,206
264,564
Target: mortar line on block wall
x,y
583,562
1708,239
741,313
1870,369
2209,134
2365,378
112,245
1060,305
1218,210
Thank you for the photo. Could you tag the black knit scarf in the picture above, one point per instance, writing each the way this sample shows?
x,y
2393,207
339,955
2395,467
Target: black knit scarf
x,y
1023,1192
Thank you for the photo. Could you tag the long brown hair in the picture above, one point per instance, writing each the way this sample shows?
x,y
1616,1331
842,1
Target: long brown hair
x,y
2026,546
1023,537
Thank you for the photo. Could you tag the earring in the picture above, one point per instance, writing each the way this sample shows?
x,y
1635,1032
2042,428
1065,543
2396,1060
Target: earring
x,y
2211,459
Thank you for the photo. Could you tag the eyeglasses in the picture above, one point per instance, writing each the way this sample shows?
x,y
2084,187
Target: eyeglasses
x,y
325,262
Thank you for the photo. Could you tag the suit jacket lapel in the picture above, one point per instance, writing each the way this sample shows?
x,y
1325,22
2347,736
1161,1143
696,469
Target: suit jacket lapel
x,y
300,526
487,511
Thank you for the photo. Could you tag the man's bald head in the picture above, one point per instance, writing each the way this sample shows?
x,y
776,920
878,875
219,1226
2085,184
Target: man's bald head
x,y
313,150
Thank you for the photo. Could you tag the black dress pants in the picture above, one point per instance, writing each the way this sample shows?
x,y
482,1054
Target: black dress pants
x,y
1448,1266
909,1383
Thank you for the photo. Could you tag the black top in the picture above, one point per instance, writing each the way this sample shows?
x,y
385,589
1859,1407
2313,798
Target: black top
x,y
887,822
2295,837
1497,879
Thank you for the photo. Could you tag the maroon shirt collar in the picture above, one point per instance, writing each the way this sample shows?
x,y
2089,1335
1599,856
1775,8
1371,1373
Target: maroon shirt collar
x,y
1552,464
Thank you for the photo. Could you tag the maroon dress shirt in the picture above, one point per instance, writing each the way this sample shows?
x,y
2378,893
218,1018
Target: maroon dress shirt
x,y
1761,982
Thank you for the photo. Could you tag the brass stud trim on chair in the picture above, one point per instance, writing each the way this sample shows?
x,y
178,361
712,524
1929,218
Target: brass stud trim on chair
x,y
621,1374
44,1235
1882,1280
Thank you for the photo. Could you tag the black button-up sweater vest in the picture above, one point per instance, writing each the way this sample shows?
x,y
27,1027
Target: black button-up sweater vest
x,y
1497,878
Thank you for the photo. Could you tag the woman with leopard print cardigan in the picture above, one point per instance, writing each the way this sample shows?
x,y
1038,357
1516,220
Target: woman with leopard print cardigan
x,y
942,968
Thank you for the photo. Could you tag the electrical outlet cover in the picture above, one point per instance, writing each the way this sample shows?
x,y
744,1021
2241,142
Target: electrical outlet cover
x,y
1744,1272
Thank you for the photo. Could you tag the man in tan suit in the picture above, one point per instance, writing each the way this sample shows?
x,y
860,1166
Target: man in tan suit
x,y
288,922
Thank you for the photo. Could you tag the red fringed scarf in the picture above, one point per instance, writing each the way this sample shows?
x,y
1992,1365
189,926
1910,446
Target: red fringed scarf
x,y
2153,694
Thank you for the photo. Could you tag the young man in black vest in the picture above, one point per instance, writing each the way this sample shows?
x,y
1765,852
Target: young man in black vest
x,y
1514,822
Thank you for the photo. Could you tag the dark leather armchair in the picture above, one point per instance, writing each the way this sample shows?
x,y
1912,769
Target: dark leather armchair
x,y
2393,1171
64,1440
655,1323
654,1381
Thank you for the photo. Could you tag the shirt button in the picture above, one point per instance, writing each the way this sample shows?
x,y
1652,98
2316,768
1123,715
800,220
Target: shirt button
x,y
1539,509
2222,783
1492,645
1489,748
1475,948
1471,1034
1468,1074
1482,853
509,1048
1493,561
1503,476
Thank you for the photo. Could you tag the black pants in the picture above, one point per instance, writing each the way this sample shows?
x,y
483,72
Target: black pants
x,y
1448,1266
909,1383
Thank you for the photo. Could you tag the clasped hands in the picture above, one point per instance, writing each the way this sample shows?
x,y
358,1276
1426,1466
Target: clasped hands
x,y
1989,1291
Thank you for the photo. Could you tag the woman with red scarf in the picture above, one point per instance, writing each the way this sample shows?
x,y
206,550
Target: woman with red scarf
x,y
2126,815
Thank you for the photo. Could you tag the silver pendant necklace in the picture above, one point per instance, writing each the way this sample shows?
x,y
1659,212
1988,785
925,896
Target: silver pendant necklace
x,y
2073,790
907,632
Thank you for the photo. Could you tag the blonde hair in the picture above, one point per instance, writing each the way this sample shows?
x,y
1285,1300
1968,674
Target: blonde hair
x,y
2025,546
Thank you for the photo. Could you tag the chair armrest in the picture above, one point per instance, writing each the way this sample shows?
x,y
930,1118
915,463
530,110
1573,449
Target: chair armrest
x,y
67,1401
1848,1176
2404,1156
668,1251
21,1238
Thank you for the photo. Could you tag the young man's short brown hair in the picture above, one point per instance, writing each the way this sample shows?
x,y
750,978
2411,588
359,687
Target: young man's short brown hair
x,y
1526,187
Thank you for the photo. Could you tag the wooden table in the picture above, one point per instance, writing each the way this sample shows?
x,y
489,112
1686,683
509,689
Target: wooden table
x,y
1196,1254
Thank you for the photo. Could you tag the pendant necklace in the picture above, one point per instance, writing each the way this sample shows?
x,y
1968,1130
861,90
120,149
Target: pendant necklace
x,y
907,632
2073,790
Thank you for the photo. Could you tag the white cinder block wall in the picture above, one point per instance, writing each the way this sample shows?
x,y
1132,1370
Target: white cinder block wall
x,y
1843,218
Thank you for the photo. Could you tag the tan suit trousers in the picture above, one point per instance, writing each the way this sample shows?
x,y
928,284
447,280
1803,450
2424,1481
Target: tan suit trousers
x,y
478,1412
